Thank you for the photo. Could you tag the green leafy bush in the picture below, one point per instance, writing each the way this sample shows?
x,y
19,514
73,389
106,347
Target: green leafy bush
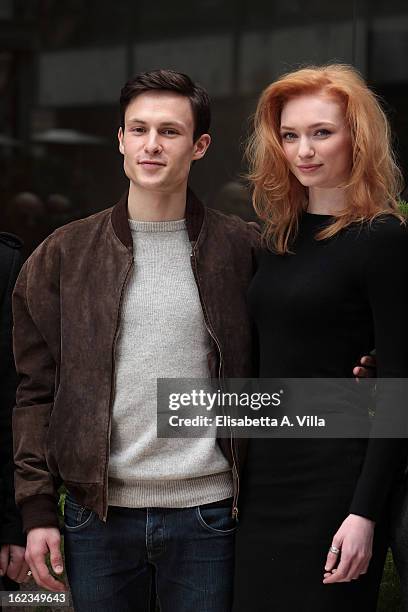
x,y
404,207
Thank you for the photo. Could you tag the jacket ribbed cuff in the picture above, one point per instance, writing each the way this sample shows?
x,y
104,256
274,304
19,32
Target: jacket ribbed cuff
x,y
39,511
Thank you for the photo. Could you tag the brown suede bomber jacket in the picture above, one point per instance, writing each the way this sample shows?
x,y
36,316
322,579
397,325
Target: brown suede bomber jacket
x,y
66,307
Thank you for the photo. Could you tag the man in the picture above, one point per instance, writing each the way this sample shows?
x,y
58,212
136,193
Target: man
x,y
13,568
154,287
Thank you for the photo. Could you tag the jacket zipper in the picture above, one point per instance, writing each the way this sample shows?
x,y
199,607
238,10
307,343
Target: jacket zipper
x,y
235,477
112,395
206,319
235,474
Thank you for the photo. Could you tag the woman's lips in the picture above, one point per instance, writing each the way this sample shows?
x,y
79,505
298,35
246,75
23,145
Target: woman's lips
x,y
309,169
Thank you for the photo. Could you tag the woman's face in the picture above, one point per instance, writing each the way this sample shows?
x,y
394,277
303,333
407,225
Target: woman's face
x,y
316,140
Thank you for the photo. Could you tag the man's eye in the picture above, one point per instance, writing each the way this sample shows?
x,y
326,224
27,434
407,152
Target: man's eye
x,y
288,136
137,130
169,132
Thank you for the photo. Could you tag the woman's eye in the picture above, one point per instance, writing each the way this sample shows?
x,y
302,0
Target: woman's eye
x,y
289,136
323,133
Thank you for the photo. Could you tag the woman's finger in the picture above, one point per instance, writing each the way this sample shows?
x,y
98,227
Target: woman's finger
x,y
355,568
23,575
363,566
4,558
333,554
342,571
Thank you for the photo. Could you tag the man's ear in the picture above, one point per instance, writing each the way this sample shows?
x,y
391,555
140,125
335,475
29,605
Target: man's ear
x,y
120,138
201,145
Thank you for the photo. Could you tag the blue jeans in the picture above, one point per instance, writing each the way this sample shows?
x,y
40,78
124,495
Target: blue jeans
x,y
184,556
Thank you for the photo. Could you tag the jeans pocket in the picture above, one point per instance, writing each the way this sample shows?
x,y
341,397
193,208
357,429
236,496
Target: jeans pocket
x,y
217,520
76,517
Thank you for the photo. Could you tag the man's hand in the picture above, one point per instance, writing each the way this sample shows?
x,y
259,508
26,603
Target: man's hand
x,y
367,367
13,564
354,540
40,542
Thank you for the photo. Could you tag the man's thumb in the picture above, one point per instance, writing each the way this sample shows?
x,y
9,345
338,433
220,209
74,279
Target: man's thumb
x,y
56,559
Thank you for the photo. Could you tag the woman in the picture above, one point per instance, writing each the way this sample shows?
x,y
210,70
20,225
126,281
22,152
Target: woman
x,y
313,533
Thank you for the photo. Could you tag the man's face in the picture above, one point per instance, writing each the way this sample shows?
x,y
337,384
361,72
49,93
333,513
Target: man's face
x,y
157,141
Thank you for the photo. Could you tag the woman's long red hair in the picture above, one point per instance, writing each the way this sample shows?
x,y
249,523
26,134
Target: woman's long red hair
x,y
375,181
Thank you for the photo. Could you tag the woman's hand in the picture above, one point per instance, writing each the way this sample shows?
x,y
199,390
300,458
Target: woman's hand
x,y
12,563
355,541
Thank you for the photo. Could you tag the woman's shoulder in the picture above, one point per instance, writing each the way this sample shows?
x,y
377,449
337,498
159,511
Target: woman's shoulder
x,y
382,230
388,229
387,224
386,245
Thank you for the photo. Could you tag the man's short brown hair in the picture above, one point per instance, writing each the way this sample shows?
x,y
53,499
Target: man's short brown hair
x,y
177,82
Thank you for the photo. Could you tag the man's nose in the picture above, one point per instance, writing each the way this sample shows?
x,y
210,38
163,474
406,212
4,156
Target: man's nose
x,y
152,144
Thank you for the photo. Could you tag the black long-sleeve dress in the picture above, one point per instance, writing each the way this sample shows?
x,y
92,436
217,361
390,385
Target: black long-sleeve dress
x,y
317,311
10,521
11,530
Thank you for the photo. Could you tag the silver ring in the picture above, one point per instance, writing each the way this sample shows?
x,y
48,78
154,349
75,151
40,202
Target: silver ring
x,y
334,550
29,573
